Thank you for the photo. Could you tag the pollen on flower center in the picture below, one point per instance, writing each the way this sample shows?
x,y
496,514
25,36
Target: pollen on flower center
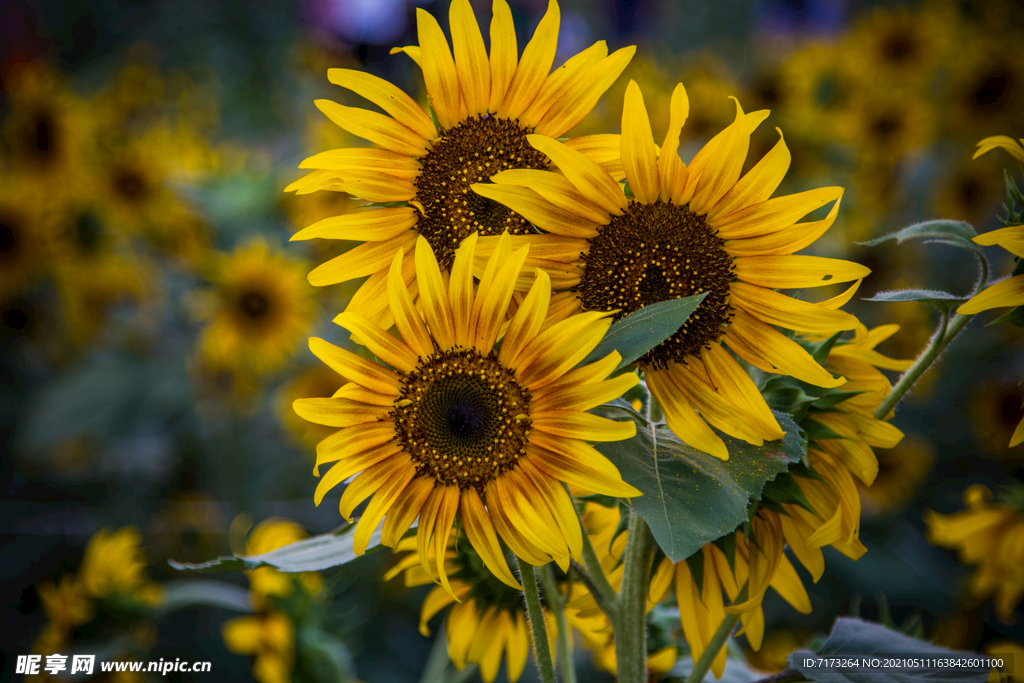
x,y
657,252
471,152
461,415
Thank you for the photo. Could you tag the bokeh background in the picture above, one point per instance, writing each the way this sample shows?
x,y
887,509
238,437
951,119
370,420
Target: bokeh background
x,y
154,316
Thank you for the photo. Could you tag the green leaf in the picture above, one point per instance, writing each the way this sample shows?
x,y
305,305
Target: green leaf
x,y
943,300
819,431
323,656
853,637
691,498
954,233
784,489
834,397
788,395
315,553
637,333
819,350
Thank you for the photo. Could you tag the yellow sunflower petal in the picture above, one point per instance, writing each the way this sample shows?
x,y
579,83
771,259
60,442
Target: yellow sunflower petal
x,y
363,458
392,351
577,100
363,159
444,521
560,347
490,662
785,241
405,511
366,259
559,503
766,348
387,495
791,272
1009,292
495,301
437,599
574,69
407,318
504,53
525,509
603,150
528,320
758,184
793,314
370,480
412,51
568,463
1018,435
520,542
787,583
671,169
796,531
715,168
376,225
337,412
639,158
682,418
460,289
517,648
347,442
775,214
377,128
575,425
588,177
460,627
470,57
1011,239
735,385
533,68
715,409
537,210
388,97
585,396
433,298
425,527
1001,141
480,532
557,190
439,73
350,366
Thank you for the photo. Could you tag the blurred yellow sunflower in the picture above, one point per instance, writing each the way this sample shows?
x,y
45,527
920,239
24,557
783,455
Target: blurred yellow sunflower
x,y
316,381
985,90
487,619
453,425
898,46
260,310
26,231
271,534
270,638
485,106
990,535
685,231
114,564
901,471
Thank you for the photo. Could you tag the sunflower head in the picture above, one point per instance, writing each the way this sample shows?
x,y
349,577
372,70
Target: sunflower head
x,y
454,425
259,311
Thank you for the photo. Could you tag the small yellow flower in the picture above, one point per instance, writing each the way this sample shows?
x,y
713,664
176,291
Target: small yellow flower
x,y
270,638
991,536
65,604
271,534
114,564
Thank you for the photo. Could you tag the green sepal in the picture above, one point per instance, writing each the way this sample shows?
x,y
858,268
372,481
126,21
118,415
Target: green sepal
x,y
818,431
785,490
727,544
696,564
819,350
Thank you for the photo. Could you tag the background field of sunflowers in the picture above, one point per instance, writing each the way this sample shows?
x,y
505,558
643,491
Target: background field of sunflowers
x,y
155,317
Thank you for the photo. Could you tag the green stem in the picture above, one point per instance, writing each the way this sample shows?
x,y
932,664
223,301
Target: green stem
x,y
554,600
631,629
942,338
701,666
541,649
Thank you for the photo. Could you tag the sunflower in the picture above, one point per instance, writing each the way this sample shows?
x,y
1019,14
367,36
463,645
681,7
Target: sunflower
x,y
990,535
259,311
685,231
487,621
455,425
897,47
26,228
485,106
986,87
114,565
820,85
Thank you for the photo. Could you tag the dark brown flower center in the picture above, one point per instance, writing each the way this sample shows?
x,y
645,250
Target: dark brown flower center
x,y
657,252
40,139
254,304
463,418
129,184
10,236
899,47
471,152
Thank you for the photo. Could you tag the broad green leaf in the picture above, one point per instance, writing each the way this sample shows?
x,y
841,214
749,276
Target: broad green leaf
x,y
640,331
852,637
955,233
310,554
943,300
691,498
